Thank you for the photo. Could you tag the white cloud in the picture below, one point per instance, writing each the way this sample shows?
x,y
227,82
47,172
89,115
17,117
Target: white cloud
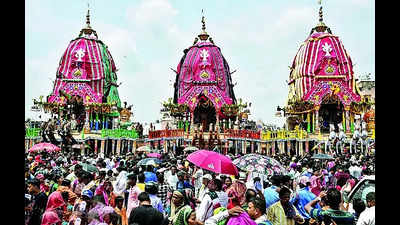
x,y
151,12
148,38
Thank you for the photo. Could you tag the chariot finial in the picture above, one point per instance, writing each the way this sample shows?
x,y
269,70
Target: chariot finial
x,y
203,35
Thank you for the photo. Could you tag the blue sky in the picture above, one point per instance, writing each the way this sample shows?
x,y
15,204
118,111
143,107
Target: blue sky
x,y
146,38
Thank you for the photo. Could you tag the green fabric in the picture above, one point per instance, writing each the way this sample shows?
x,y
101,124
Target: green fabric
x,y
340,217
218,210
113,114
213,195
109,77
113,96
183,215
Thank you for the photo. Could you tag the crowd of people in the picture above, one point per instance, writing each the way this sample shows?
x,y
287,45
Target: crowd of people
x,y
65,188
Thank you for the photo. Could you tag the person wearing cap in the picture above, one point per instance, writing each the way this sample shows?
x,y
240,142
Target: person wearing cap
x,y
203,189
37,206
302,197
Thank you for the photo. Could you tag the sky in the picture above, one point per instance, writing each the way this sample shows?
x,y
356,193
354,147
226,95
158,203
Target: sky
x,y
258,38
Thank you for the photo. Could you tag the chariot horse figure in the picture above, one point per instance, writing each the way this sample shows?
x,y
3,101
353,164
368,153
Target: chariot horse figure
x,y
51,126
341,140
332,138
364,138
356,139
43,129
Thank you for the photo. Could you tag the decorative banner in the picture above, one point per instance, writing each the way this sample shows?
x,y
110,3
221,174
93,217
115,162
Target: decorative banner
x,y
118,133
32,132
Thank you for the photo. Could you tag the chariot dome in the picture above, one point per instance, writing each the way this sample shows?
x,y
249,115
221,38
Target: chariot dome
x,y
321,81
203,80
86,70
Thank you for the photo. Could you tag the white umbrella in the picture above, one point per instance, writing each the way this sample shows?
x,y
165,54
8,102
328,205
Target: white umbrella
x,y
190,148
143,149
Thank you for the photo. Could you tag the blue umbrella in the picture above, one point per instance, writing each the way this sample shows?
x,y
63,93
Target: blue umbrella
x,y
321,156
149,161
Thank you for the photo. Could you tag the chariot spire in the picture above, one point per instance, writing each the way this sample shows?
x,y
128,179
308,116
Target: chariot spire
x,y
88,29
321,27
203,35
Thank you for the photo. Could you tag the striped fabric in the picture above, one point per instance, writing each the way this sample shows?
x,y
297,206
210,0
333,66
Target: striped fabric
x,y
313,59
95,64
195,67
276,215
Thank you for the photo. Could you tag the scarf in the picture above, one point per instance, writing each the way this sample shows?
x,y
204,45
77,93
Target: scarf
x,y
55,200
183,215
237,191
50,217
71,195
174,208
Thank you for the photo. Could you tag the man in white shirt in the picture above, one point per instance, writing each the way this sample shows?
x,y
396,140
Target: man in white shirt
x,y
198,179
367,217
171,177
355,170
210,201
203,188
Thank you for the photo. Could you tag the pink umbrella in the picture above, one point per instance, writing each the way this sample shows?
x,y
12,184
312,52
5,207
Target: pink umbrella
x,y
213,161
44,146
154,155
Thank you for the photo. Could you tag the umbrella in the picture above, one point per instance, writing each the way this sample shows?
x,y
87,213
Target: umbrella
x,y
259,164
49,147
87,167
149,161
154,155
190,149
143,149
321,156
213,161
